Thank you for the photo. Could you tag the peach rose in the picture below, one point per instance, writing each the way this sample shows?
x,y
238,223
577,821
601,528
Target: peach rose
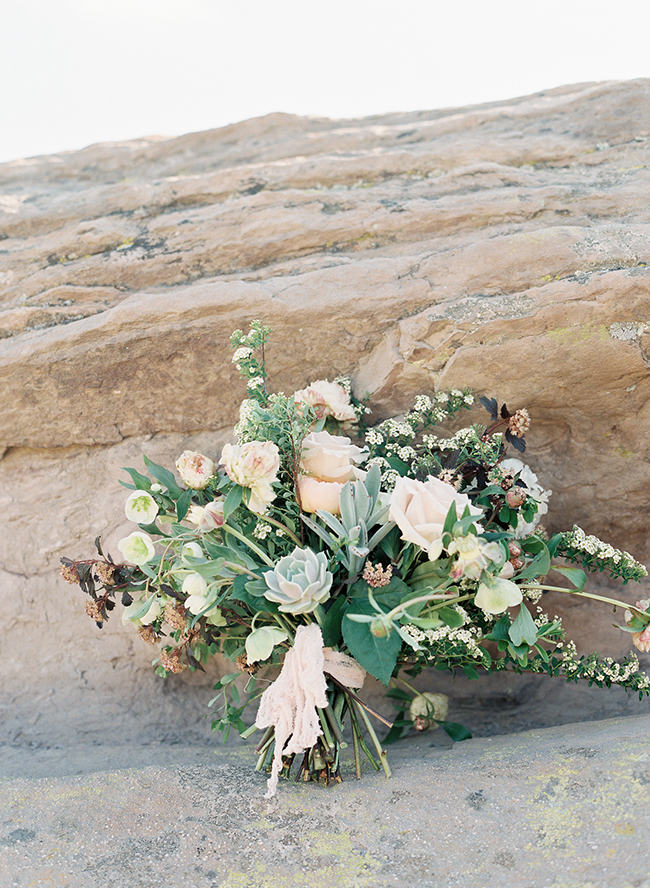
x,y
419,509
315,495
328,461
327,399
641,640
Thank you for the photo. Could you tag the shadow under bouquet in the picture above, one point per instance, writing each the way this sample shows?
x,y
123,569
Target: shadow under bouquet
x,y
303,551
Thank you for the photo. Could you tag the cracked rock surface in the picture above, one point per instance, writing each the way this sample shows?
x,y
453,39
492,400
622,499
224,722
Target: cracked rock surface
x,y
501,246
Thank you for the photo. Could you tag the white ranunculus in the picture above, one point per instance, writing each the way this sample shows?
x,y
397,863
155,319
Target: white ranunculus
x,y
137,547
495,595
195,469
299,582
260,643
140,507
254,465
327,399
206,518
419,508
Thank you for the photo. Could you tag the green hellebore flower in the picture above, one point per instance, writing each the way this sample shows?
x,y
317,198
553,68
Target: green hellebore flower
x,y
260,643
137,547
495,595
140,507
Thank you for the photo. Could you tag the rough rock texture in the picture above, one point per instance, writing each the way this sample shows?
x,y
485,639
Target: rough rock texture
x,y
557,808
501,246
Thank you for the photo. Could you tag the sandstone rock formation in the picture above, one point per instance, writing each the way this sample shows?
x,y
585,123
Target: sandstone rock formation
x,y
502,246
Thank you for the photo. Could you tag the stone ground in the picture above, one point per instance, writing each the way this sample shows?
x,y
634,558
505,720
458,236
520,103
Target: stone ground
x,y
566,807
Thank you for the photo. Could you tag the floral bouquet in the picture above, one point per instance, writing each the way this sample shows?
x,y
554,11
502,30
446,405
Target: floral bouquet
x,y
303,551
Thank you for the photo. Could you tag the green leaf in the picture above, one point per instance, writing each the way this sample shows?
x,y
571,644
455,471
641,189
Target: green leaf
x,y
400,727
553,543
538,567
331,627
164,476
258,588
523,628
151,529
232,501
532,545
256,603
450,520
577,577
388,596
398,694
378,656
450,617
183,503
141,481
500,630
456,732
430,575
470,672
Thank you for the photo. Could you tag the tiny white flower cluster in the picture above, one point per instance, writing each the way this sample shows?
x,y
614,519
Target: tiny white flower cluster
x,y
468,637
255,382
603,670
395,428
459,440
422,403
261,530
533,595
241,354
246,413
578,539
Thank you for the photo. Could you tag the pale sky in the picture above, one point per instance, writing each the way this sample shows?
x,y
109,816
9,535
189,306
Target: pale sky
x,y
75,72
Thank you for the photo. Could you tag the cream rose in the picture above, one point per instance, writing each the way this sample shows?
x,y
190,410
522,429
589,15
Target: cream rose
x,y
327,399
330,457
254,465
419,509
195,469
328,461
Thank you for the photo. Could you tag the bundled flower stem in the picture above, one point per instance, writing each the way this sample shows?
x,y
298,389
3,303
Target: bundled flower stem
x,y
392,549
